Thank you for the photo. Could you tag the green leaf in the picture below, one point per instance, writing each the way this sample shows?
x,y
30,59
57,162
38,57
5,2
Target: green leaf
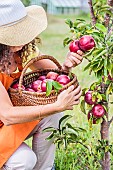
x,y
82,106
105,118
71,131
48,88
69,22
56,85
49,129
101,27
63,121
109,89
50,136
67,41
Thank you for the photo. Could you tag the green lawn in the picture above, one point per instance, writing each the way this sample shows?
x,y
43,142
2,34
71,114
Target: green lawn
x,y
52,44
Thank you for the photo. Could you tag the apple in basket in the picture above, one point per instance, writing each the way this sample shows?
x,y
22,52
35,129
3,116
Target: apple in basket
x,y
63,79
52,75
42,78
29,89
43,84
36,85
15,86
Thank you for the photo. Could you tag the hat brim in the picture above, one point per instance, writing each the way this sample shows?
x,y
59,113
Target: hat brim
x,y
25,30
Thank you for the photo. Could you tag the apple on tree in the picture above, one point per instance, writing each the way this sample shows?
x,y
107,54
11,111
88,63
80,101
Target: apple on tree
x,y
74,46
98,110
89,116
84,44
88,98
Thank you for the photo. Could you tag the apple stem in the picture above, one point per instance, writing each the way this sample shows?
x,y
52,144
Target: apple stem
x,y
86,58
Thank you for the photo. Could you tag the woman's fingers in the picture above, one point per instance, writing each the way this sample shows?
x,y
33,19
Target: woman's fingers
x,y
77,55
76,91
80,52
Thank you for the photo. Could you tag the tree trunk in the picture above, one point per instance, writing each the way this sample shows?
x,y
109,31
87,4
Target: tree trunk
x,y
105,132
105,136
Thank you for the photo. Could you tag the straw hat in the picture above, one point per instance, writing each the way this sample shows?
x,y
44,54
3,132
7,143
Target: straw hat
x,y
19,25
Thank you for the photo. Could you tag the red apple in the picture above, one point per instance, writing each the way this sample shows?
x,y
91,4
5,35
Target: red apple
x,y
74,46
88,98
86,43
63,79
98,110
42,78
15,86
89,116
52,75
36,85
110,77
43,84
29,89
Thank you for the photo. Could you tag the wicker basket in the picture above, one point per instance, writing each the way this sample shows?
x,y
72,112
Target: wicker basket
x,y
20,97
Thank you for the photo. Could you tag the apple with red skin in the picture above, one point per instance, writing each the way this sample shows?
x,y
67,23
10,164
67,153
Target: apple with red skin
x,y
15,86
63,79
52,75
86,43
43,84
110,77
88,98
74,46
89,116
98,110
29,89
42,78
36,85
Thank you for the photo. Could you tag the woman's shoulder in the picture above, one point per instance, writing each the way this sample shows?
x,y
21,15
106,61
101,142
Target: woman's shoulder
x,y
5,80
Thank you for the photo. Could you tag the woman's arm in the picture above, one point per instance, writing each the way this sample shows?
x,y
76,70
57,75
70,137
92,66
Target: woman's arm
x,y
19,114
72,60
45,63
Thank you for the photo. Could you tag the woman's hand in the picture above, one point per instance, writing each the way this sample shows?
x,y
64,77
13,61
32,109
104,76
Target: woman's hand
x,y
72,60
68,98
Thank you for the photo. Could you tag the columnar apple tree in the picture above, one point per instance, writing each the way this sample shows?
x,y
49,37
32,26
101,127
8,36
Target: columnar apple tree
x,y
95,103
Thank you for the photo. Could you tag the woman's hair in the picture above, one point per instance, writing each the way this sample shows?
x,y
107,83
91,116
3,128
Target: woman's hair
x,y
29,49
6,54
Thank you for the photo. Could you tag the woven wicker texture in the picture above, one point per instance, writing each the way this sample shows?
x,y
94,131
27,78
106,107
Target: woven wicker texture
x,y
20,97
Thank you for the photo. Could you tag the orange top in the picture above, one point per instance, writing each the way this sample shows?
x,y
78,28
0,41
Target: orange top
x,y
12,136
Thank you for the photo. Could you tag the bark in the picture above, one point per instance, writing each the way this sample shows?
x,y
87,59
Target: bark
x,y
93,18
105,134
107,16
110,2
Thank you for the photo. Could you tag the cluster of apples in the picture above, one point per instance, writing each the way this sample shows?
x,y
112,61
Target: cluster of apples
x,y
39,85
97,110
85,43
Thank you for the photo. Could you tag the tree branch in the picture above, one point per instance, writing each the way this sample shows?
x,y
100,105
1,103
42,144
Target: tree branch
x,y
110,2
110,121
92,12
107,16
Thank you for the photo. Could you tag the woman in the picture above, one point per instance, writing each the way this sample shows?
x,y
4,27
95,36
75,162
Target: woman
x,y
19,27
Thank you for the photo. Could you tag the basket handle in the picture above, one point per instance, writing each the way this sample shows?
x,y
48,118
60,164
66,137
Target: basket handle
x,y
33,60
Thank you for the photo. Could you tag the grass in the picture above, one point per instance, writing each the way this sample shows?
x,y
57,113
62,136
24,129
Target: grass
x,y
52,44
